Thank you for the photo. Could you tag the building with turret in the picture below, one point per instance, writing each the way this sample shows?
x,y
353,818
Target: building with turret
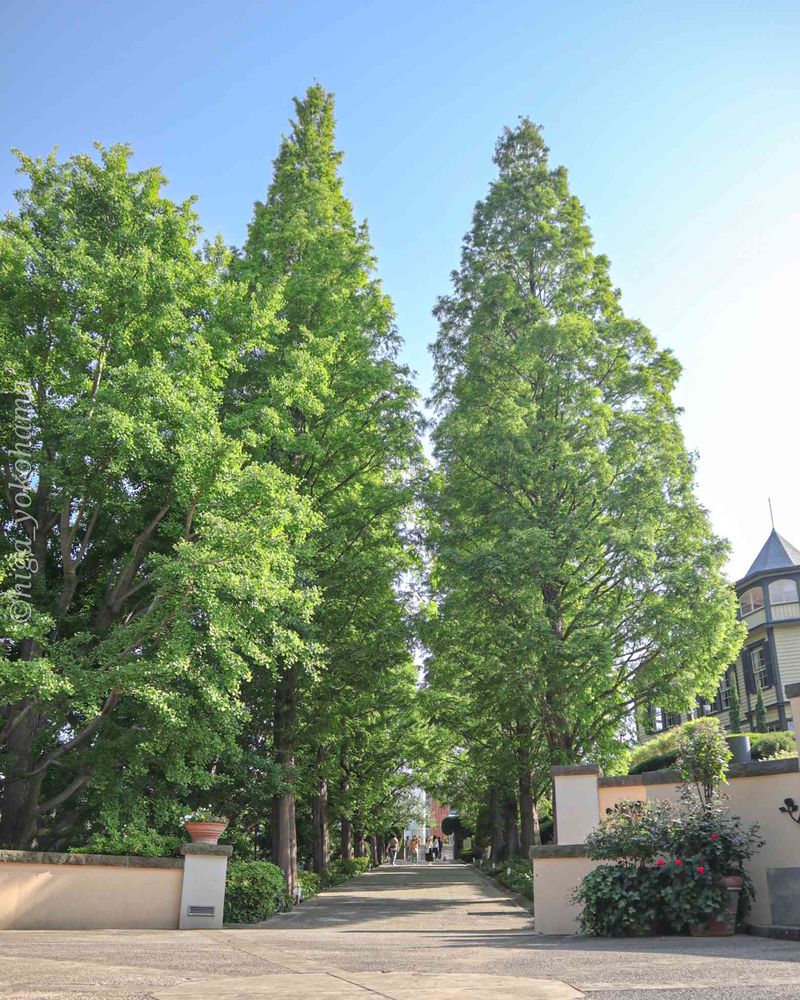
x,y
769,604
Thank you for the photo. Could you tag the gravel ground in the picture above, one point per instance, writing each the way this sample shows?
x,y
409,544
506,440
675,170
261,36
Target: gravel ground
x,y
441,919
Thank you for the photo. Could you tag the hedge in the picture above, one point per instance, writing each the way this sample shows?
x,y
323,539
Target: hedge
x,y
254,890
661,752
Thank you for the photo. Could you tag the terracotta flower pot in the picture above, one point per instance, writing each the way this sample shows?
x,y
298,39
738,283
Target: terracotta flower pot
x,y
206,832
714,927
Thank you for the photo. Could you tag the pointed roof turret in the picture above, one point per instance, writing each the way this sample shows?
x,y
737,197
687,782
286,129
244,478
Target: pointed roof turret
x,y
776,554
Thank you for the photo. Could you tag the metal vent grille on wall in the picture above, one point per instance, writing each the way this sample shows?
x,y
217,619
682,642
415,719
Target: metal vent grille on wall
x,y
200,911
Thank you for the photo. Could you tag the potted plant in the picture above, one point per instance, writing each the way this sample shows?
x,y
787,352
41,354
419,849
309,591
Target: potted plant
x,y
714,843
204,826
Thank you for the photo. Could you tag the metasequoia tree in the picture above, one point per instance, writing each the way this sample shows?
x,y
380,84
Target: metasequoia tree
x,y
571,556
330,406
160,554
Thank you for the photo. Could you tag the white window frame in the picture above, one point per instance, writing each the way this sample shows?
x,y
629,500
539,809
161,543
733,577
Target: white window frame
x,y
759,666
753,607
783,600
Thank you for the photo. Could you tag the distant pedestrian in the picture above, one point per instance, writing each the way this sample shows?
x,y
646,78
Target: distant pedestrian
x,y
413,849
429,850
393,846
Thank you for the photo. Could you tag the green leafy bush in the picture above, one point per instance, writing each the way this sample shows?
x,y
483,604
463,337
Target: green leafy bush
x,y
704,759
618,901
766,745
254,890
515,874
339,871
310,884
663,750
634,833
140,842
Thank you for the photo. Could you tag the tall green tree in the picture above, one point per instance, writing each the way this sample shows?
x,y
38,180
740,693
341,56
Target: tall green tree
x,y
330,406
161,555
568,543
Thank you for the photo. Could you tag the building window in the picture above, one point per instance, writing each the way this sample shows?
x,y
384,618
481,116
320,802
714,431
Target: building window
x,y
751,600
783,592
672,719
724,692
758,660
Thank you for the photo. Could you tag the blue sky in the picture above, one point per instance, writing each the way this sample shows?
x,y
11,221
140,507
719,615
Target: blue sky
x,y
678,123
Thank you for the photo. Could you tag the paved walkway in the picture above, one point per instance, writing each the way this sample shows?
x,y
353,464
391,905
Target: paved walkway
x,y
431,933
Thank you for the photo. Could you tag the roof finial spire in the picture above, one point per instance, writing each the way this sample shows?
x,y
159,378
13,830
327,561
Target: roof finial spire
x,y
771,515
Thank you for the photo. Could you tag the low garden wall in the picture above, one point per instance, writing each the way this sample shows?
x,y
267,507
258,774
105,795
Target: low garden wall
x,y
92,891
756,791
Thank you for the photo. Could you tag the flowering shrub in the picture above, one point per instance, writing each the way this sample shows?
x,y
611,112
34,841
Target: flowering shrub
x,y
669,869
633,833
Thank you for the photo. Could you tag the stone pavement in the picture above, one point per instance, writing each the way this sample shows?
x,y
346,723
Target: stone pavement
x,y
431,933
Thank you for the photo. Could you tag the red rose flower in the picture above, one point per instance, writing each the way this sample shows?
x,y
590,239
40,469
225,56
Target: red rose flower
x,y
660,862
700,869
678,862
714,836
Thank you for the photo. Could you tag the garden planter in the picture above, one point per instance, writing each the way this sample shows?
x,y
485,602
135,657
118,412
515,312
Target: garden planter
x,y
727,926
206,832
739,744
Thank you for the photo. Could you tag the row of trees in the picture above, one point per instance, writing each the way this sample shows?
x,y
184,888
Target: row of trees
x,y
214,494
209,460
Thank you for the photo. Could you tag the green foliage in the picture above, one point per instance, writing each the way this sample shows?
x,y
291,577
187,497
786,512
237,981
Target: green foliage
x,y
254,890
634,834
618,901
342,870
165,556
760,724
575,575
704,758
764,746
662,751
310,884
133,841
709,832
515,874
669,869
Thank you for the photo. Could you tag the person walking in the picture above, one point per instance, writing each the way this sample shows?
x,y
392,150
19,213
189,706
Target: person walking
x,y
413,848
393,846
429,850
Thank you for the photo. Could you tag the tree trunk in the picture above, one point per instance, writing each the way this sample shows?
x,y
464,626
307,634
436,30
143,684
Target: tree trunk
x,y
511,830
381,844
528,821
373,850
320,840
497,831
358,827
284,829
346,825
20,795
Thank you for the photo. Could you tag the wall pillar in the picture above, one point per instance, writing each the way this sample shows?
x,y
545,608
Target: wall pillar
x,y
793,696
576,801
205,867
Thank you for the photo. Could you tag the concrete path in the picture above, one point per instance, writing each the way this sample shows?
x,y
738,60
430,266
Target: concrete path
x,y
431,933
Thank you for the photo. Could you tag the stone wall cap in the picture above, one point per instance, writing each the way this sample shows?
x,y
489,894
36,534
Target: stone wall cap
x,y
558,851
106,860
792,690
214,850
757,768
567,770
670,777
752,769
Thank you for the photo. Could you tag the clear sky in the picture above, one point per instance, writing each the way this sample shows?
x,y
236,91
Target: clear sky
x,y
677,120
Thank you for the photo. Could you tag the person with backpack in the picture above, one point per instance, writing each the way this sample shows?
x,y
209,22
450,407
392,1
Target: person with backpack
x,y
393,846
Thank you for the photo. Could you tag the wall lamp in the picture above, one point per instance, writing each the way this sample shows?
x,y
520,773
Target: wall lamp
x,y
791,808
